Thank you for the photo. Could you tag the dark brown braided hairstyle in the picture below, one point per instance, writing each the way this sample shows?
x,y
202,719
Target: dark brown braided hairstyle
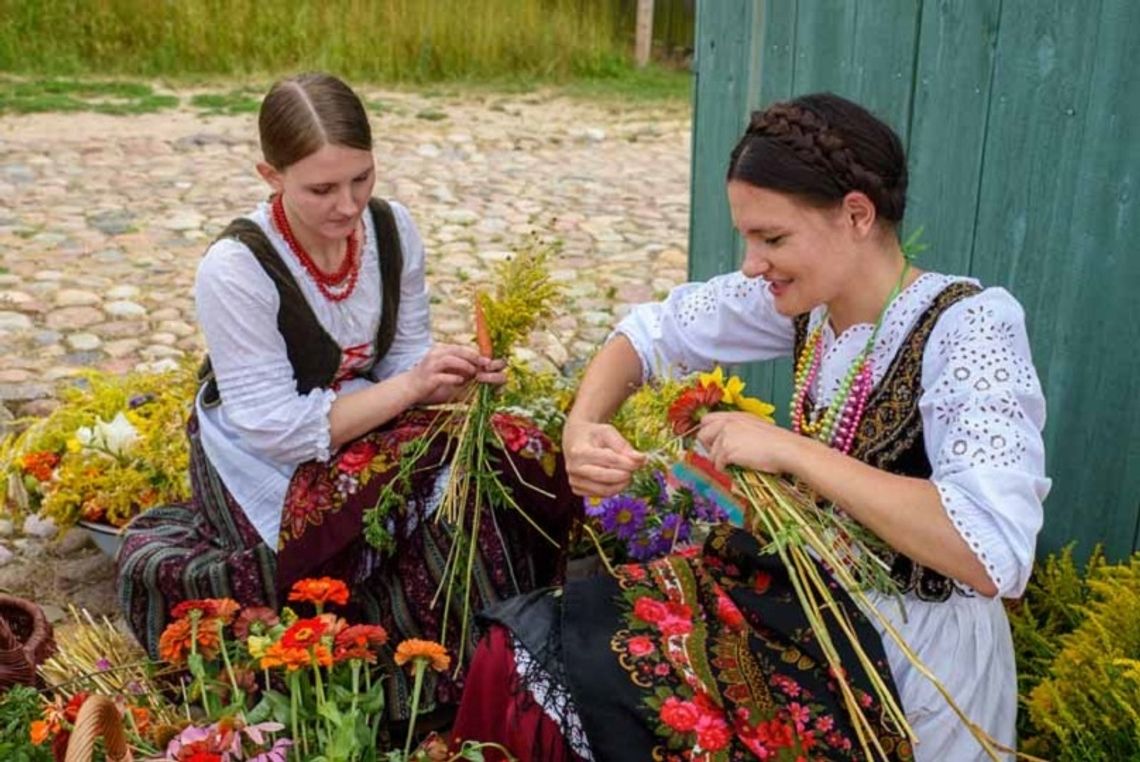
x,y
821,147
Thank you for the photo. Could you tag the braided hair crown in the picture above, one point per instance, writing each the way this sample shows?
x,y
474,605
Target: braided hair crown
x,y
822,147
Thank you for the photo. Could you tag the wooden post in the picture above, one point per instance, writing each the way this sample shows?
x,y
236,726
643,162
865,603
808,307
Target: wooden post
x,y
644,32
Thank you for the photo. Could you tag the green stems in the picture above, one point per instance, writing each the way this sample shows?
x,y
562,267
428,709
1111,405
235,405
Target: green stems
x,y
417,686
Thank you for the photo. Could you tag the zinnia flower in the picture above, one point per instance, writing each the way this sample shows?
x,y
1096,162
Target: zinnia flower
x,y
174,643
428,650
320,591
304,633
206,607
359,642
255,620
280,655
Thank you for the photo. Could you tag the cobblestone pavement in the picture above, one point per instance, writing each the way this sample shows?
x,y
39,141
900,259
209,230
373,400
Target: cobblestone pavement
x,y
103,220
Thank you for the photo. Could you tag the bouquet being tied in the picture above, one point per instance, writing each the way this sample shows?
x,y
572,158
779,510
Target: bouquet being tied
x,y
482,427
680,492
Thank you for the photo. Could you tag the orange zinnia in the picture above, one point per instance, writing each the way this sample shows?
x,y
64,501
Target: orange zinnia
x,y
320,591
359,642
280,655
174,643
429,651
222,608
304,633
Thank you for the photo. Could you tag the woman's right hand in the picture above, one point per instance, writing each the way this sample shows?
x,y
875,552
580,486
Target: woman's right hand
x,y
442,373
599,462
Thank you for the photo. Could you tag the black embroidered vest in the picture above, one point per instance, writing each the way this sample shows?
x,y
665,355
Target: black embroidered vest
x,y
890,434
314,355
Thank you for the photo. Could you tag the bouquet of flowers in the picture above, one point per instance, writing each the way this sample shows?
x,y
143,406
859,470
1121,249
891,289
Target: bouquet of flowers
x,y
113,448
250,683
660,512
482,427
816,542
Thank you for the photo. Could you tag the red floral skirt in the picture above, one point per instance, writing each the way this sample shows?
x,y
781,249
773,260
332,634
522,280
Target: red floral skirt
x,y
209,549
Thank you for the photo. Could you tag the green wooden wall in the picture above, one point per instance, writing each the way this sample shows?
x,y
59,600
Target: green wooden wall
x,y
1022,122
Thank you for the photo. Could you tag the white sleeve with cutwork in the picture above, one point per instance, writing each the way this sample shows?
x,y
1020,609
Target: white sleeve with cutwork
x,y
237,307
982,414
413,321
727,320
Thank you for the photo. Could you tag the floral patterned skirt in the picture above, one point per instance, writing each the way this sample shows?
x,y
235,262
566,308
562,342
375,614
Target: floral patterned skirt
x,y
699,655
209,549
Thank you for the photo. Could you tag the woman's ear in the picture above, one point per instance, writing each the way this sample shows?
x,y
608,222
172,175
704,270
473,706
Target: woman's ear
x,y
271,176
859,213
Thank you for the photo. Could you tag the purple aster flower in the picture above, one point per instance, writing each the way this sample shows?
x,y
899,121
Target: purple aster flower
x,y
623,515
674,530
594,507
707,510
103,664
642,548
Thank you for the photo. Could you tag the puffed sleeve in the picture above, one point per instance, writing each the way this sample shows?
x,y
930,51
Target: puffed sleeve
x,y
413,322
726,320
983,412
237,307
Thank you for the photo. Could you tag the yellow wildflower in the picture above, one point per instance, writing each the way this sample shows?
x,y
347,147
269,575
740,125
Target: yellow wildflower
x,y
756,407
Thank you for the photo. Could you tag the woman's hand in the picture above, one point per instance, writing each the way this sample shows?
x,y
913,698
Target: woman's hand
x,y
599,462
445,371
742,439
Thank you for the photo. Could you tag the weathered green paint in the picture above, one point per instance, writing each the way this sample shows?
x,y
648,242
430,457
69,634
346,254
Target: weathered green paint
x,y
1022,121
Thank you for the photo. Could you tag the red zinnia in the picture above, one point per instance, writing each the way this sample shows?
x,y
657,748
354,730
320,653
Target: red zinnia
x,y
304,633
687,410
359,642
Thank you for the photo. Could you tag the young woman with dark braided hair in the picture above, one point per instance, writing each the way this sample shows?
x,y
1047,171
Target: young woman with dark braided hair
x,y
942,458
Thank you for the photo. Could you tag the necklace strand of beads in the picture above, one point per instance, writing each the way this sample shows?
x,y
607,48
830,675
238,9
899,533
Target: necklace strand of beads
x,y
836,424
348,271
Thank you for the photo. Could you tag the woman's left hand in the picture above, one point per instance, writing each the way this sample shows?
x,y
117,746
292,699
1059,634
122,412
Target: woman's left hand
x,y
493,372
742,439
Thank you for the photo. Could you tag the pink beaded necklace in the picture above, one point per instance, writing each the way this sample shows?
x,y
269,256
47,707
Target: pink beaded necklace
x,y
836,424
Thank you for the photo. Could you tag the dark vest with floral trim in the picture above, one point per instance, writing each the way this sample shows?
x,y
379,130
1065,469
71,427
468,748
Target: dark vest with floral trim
x,y
314,355
890,434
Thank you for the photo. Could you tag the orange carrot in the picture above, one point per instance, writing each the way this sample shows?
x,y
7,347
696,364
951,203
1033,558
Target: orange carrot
x,y
482,333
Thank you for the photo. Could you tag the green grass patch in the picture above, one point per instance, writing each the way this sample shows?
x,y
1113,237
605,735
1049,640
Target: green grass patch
x,y
115,97
385,41
244,101
651,84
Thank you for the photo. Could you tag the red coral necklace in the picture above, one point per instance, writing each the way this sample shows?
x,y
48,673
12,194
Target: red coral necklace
x,y
326,282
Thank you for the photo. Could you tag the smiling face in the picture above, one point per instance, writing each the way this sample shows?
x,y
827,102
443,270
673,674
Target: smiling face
x,y
326,192
806,253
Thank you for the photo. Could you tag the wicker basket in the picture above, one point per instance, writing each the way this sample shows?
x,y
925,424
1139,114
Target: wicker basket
x,y
25,641
98,719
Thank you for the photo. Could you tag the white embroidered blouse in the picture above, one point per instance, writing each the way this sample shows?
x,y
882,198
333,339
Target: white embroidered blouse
x,y
982,411
264,428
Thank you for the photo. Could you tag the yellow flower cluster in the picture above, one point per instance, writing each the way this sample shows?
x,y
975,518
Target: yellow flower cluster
x,y
1078,648
524,295
733,390
119,444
